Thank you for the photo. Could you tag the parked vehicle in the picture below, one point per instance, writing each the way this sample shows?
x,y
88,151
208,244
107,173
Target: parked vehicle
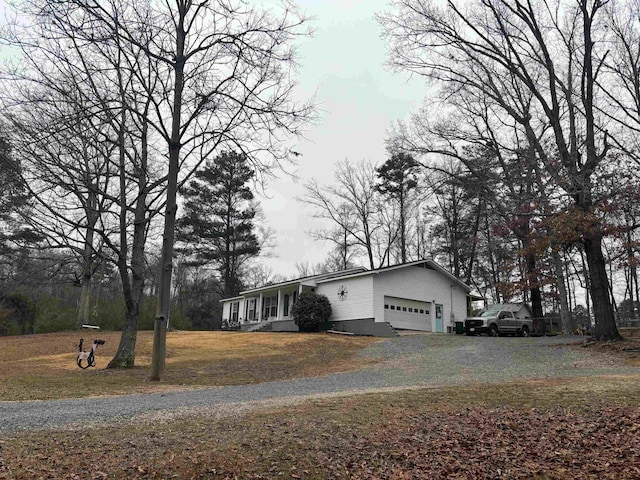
x,y
501,318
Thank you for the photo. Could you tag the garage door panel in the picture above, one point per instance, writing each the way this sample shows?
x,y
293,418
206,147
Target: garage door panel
x,y
408,314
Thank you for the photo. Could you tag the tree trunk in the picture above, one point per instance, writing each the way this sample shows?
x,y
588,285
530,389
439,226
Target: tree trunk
x,y
540,326
632,283
85,288
634,277
343,250
494,273
166,260
403,227
125,355
599,289
228,235
133,289
369,247
598,280
87,255
565,315
476,230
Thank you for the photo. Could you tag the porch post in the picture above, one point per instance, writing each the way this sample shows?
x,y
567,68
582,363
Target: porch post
x,y
260,308
279,316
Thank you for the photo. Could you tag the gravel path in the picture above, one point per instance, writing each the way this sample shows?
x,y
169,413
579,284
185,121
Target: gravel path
x,y
408,361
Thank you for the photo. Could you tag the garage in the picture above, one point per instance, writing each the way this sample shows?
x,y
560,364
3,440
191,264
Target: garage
x,y
408,314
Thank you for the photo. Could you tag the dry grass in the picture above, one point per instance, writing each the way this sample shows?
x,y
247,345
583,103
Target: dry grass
x,y
630,332
43,366
626,352
551,429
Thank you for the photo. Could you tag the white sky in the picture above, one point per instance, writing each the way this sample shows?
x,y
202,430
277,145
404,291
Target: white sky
x,y
359,99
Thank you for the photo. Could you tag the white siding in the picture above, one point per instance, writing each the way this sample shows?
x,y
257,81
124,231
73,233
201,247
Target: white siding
x,y
421,284
358,303
226,308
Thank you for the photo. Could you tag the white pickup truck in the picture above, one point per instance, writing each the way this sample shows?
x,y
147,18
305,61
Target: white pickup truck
x,y
501,318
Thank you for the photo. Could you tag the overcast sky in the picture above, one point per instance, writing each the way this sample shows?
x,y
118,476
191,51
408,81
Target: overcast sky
x,y
359,98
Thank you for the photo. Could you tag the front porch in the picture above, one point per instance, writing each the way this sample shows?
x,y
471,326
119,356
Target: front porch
x,y
257,308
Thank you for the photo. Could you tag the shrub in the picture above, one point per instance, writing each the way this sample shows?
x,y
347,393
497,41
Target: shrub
x,y
311,311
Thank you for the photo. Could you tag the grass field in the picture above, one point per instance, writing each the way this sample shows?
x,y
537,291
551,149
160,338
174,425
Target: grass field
x,y
40,367
551,428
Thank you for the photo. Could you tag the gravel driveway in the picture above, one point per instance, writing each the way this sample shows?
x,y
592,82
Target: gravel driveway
x,y
407,361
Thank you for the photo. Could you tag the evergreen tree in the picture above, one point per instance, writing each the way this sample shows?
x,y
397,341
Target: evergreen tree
x,y
13,202
217,226
397,178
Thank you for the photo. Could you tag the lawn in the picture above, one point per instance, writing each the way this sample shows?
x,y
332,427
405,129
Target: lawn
x,y
546,428
40,367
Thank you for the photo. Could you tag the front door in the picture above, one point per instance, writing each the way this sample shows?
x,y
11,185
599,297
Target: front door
x,y
439,318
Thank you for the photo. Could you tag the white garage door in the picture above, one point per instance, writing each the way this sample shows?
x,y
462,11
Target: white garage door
x,y
408,314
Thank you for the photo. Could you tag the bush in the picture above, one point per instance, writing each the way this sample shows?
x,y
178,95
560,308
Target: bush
x,y
311,311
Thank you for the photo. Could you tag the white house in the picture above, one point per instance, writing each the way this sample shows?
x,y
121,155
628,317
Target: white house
x,y
419,295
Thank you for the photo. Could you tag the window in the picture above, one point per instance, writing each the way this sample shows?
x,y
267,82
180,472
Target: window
x,y
393,307
270,307
235,306
404,309
410,310
386,305
251,309
421,310
286,299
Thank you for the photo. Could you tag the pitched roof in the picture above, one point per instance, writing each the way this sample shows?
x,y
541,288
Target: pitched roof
x,y
307,279
430,264
355,272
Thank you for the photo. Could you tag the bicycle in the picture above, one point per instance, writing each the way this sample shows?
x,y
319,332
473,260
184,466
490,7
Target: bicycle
x,y
88,357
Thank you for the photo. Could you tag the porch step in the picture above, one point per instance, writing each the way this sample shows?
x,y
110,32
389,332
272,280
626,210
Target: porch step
x,y
392,332
264,327
255,327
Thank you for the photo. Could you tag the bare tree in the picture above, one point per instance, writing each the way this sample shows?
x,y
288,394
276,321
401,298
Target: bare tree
x,y
621,85
503,49
64,171
99,91
351,204
345,246
224,70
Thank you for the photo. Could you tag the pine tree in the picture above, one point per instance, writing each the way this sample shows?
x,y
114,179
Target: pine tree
x,y
397,178
14,232
217,226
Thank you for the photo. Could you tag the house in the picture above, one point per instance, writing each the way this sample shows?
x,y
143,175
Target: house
x,y
419,295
